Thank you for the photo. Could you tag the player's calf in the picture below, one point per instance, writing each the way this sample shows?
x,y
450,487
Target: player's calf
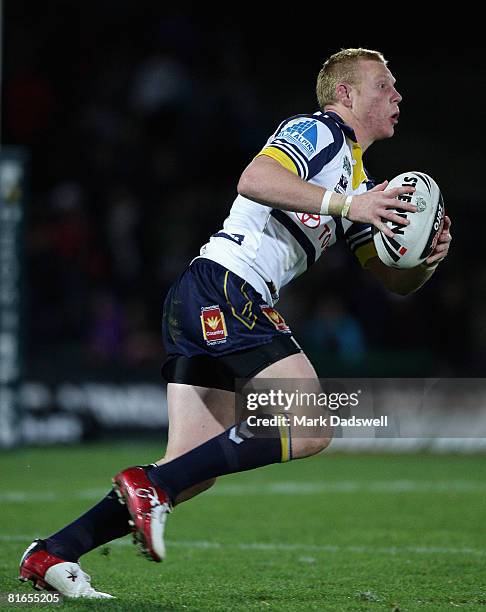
x,y
194,490
306,447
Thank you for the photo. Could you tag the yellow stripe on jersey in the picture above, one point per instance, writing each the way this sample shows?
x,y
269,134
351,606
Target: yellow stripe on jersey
x,y
278,155
285,443
366,252
359,175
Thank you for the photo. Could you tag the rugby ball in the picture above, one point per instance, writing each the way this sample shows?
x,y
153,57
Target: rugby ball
x,y
413,243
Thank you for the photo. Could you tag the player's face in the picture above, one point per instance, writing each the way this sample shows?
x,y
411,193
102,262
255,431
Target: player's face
x,y
375,100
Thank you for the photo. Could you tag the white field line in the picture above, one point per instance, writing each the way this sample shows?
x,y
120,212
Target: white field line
x,y
350,486
274,488
271,547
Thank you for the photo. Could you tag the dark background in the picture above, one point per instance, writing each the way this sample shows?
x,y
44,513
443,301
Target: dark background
x,y
139,122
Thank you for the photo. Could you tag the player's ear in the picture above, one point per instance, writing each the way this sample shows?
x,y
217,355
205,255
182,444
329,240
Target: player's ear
x,y
343,94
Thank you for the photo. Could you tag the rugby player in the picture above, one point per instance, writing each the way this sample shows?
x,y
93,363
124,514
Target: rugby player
x,y
302,193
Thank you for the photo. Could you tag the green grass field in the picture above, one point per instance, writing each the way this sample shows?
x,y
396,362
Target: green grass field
x,y
329,533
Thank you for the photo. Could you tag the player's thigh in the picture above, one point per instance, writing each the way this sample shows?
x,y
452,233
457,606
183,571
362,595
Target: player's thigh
x,y
196,414
306,441
294,366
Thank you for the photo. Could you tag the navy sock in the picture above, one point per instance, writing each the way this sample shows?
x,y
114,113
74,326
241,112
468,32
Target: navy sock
x,y
238,449
104,522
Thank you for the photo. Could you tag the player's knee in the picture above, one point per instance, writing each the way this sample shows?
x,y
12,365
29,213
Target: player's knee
x,y
305,447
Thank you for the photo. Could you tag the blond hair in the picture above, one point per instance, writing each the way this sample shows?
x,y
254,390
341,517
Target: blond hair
x,y
342,68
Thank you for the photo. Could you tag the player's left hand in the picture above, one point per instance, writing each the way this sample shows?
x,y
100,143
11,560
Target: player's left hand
x,y
443,244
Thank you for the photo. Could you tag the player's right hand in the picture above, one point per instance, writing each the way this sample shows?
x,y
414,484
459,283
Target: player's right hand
x,y
376,206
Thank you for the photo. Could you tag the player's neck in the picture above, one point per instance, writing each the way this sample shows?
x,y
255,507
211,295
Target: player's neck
x,y
350,119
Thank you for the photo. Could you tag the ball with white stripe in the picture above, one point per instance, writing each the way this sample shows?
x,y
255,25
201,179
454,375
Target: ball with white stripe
x,y
413,243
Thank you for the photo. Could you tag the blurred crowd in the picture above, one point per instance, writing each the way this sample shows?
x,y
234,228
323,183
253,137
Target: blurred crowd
x,y
138,125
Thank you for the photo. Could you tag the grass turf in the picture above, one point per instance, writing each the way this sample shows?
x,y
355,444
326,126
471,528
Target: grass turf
x,y
332,532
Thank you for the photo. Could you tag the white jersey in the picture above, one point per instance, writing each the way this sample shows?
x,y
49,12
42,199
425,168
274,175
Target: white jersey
x,y
269,247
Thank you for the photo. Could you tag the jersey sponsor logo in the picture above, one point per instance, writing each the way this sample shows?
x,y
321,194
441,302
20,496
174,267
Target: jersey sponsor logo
x,y
347,165
309,220
213,325
325,237
275,318
342,185
303,134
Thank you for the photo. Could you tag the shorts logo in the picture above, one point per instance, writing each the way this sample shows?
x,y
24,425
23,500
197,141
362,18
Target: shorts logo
x,y
276,318
213,325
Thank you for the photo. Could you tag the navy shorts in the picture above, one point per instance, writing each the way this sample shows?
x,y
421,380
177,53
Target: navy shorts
x,y
209,313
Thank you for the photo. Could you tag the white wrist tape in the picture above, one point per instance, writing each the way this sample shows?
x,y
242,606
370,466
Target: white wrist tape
x,y
346,207
325,202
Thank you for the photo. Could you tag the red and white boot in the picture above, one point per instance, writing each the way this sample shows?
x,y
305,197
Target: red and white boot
x,y
50,573
148,506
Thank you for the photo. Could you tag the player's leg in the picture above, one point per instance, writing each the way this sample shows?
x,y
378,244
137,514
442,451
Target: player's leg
x,y
221,451
196,414
239,448
48,571
291,369
192,424
53,562
217,328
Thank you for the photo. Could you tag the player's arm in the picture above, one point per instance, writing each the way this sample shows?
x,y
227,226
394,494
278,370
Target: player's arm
x,y
270,182
407,281
402,282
